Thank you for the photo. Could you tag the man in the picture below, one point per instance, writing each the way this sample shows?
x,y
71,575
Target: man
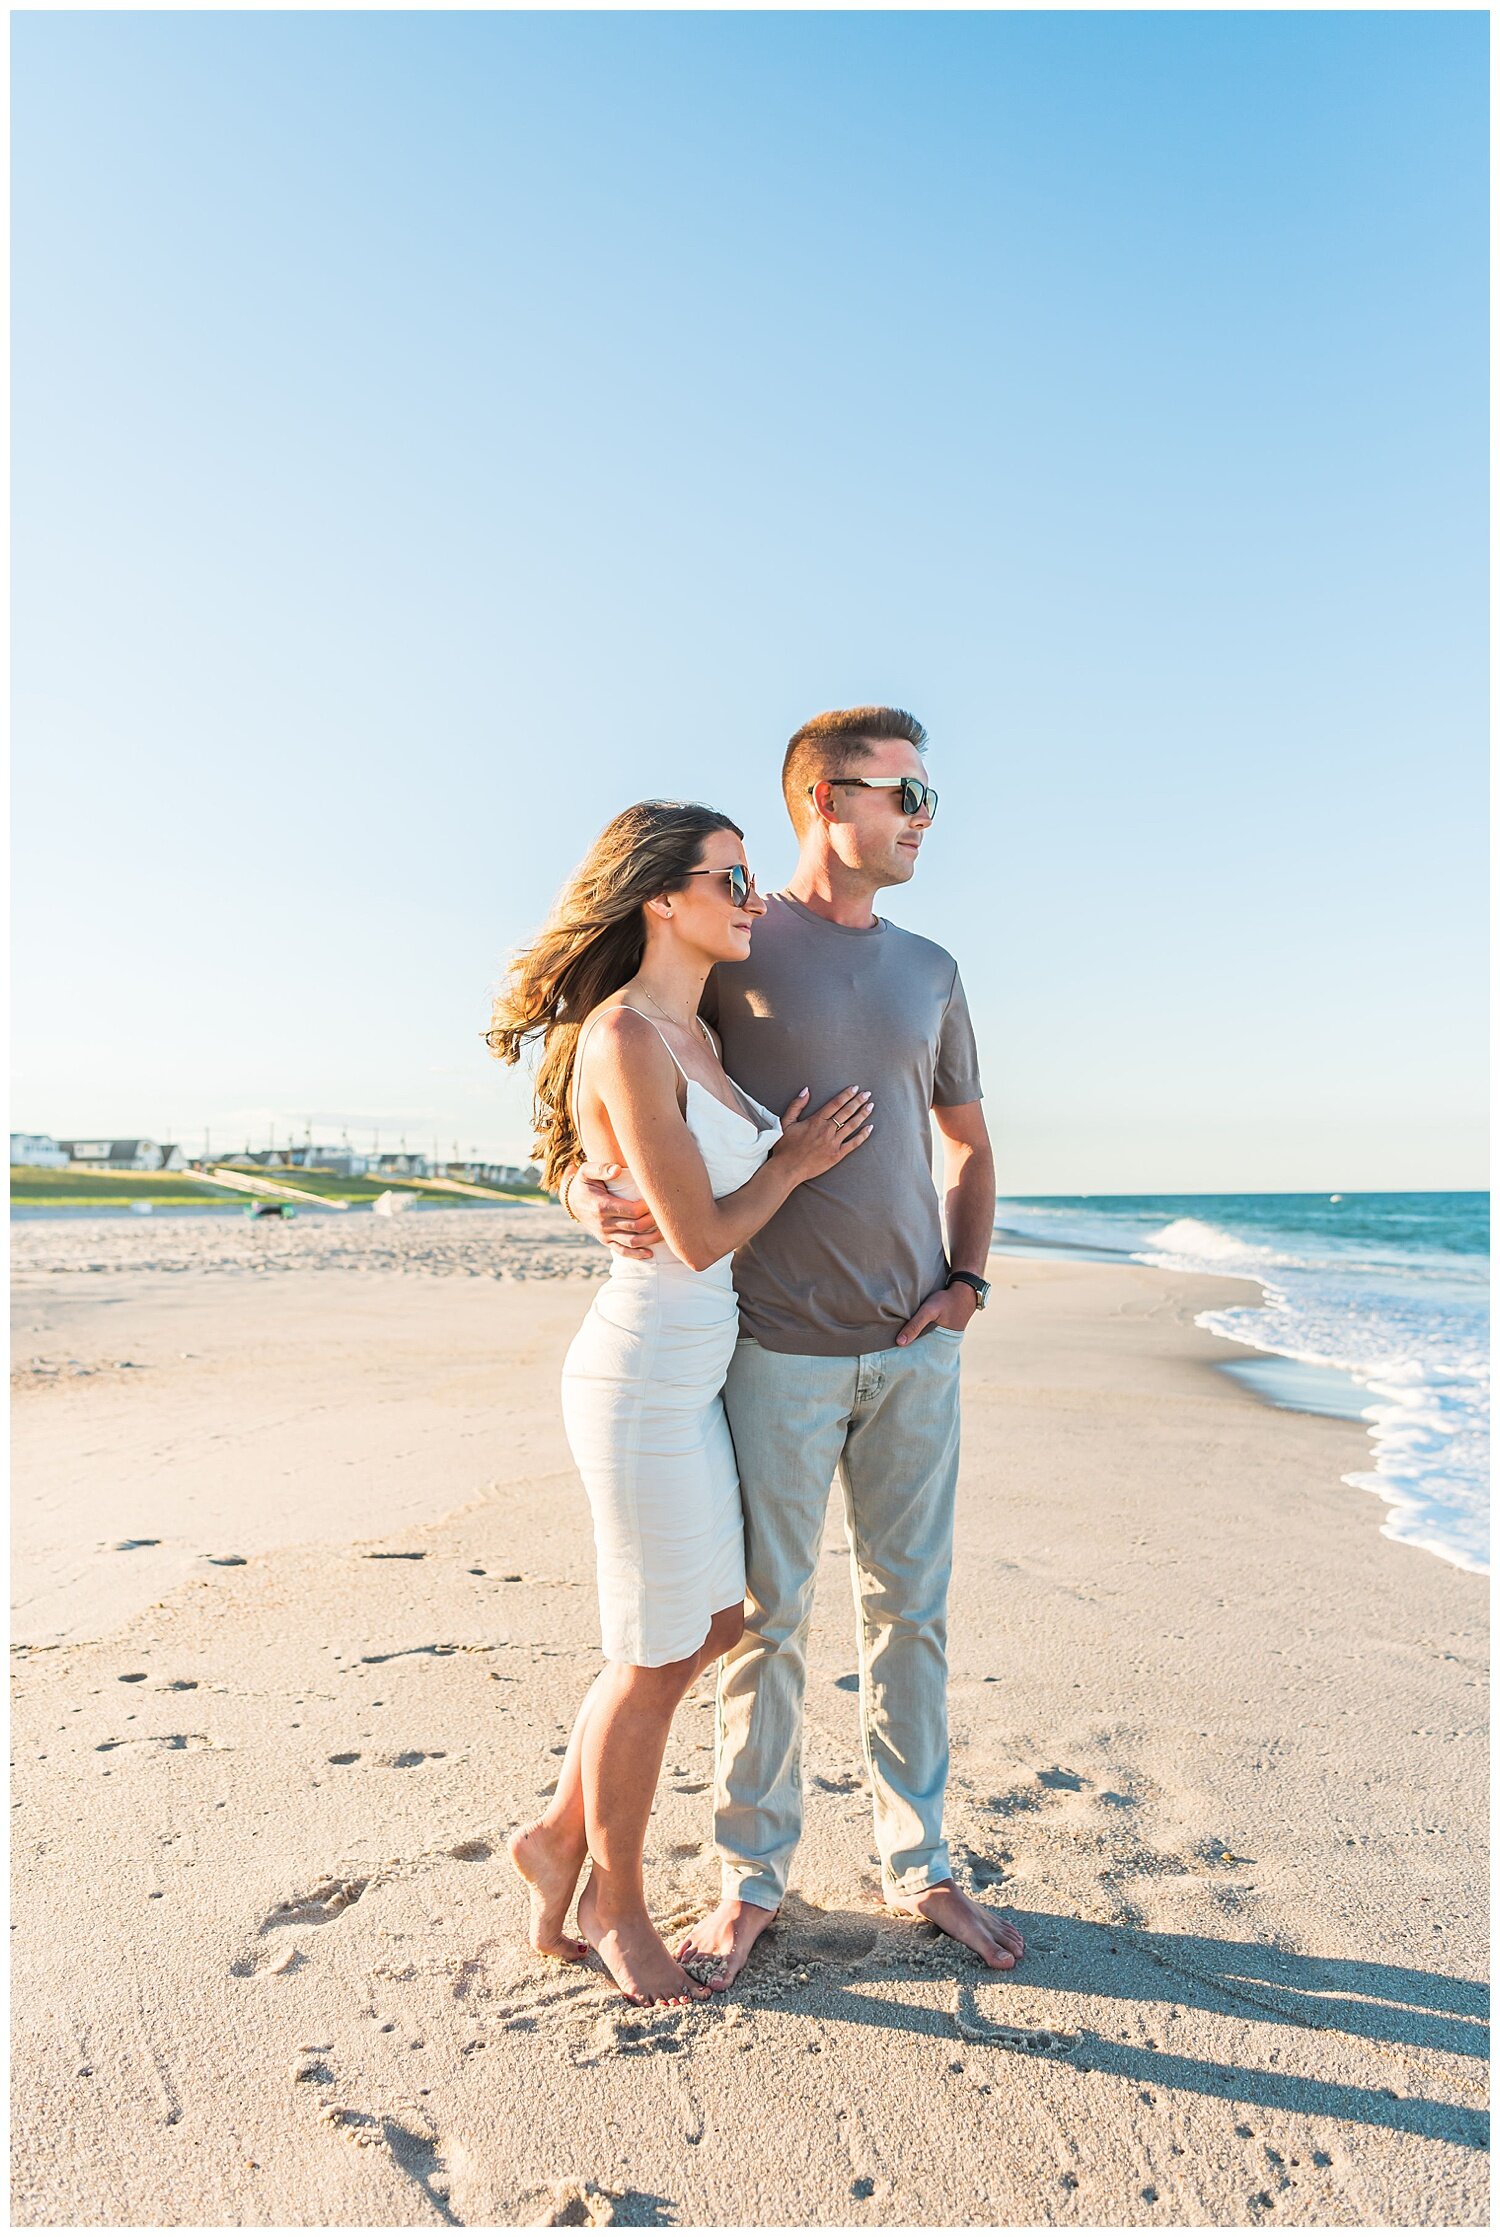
x,y
851,1320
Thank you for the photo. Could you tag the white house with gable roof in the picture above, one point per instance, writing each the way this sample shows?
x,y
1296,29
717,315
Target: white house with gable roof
x,y
138,1154
36,1149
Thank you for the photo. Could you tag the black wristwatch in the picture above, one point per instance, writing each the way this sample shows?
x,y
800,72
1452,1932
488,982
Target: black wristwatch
x,y
976,1282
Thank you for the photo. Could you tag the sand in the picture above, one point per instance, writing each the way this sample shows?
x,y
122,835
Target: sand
x,y
305,1605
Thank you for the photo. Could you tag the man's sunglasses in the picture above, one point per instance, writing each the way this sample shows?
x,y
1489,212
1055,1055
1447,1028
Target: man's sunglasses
x,y
916,798
741,881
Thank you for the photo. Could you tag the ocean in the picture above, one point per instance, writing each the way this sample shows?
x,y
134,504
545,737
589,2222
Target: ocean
x,y
1374,1305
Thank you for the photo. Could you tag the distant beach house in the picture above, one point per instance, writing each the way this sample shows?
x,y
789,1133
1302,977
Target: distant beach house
x,y
137,1155
330,1158
36,1149
408,1163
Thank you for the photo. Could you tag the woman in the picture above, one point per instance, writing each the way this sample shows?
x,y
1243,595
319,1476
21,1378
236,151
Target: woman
x,y
630,1075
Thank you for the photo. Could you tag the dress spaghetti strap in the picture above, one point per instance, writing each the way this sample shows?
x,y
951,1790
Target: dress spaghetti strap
x,y
656,1029
588,1029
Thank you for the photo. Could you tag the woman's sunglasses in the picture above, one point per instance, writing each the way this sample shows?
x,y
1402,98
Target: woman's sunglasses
x,y
916,798
741,881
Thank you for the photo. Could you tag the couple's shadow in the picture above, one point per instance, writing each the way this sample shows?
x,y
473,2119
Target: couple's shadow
x,y
1372,2002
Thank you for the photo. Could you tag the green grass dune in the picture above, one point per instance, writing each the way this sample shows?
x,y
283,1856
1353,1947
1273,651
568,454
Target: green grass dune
x,y
40,1186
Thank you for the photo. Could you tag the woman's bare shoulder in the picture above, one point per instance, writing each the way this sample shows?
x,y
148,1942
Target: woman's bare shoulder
x,y
628,1044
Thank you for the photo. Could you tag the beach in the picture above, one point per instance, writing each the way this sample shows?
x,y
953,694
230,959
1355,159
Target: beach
x,y
290,1501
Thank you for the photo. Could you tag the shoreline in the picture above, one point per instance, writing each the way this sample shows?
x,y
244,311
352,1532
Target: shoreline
x,y
1212,1734
1301,1382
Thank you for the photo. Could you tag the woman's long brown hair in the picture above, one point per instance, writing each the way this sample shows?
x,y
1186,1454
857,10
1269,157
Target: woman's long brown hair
x,y
589,947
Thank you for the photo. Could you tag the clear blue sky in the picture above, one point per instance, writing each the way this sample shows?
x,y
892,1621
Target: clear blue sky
x,y
434,431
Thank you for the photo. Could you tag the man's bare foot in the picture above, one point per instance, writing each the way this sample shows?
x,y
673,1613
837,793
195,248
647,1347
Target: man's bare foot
x,y
990,1937
721,1943
550,1868
639,1962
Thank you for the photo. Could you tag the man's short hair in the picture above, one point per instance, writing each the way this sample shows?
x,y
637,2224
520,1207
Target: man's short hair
x,y
834,745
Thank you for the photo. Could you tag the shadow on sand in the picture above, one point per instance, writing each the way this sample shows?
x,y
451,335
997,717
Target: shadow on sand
x,y
1375,2003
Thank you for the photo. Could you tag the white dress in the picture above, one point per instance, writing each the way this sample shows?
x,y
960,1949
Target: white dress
x,y
645,1419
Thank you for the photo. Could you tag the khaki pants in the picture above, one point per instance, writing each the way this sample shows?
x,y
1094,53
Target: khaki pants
x,y
887,1423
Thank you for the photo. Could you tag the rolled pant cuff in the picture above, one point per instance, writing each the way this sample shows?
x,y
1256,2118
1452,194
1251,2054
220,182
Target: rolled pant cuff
x,y
751,1886
916,1879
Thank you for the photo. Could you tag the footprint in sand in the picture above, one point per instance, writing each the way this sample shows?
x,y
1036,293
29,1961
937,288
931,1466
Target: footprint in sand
x,y
328,1900
415,2154
357,2128
127,1545
282,1962
193,1741
415,2150
615,2036
576,2205
1060,1781
351,1756
435,1646
320,1904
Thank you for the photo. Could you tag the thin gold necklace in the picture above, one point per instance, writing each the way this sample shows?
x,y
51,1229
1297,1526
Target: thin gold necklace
x,y
656,1006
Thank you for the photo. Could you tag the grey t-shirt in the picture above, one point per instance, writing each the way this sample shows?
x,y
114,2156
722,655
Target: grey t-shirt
x,y
850,1256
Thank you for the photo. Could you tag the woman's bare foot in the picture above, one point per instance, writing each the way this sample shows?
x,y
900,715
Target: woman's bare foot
x,y
550,1867
992,1938
721,1943
639,1962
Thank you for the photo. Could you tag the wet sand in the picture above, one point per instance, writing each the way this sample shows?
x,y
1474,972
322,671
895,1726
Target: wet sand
x,y
304,1603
